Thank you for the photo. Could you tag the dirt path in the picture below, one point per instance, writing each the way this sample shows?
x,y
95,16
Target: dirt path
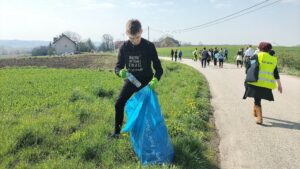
x,y
244,144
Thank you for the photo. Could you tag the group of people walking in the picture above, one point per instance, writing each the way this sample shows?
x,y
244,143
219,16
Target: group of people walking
x,y
176,53
268,73
244,56
205,56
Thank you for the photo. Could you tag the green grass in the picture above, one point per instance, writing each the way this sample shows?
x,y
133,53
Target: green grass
x,y
289,57
60,118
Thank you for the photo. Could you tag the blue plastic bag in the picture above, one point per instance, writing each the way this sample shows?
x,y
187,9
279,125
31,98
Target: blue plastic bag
x,y
148,132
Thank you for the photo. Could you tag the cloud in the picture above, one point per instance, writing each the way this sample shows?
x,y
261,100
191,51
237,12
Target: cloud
x,y
221,3
93,4
142,3
291,1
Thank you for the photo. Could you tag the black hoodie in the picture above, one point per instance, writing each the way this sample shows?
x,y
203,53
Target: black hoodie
x,y
138,58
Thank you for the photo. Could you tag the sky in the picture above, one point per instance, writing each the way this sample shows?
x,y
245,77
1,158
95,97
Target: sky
x,y
43,20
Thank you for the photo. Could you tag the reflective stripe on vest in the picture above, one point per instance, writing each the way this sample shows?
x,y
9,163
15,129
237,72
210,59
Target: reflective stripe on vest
x,y
267,65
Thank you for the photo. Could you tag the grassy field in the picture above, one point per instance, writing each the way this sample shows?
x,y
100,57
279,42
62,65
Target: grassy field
x,y
289,57
61,118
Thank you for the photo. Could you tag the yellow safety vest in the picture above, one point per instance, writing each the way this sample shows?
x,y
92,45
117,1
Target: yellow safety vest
x,y
267,65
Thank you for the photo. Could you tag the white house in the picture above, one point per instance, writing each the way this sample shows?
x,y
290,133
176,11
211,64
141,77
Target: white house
x,y
64,45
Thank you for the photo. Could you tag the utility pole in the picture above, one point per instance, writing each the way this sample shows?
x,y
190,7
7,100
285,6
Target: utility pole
x,y
148,34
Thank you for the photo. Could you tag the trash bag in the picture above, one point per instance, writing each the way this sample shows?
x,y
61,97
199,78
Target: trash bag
x,y
148,132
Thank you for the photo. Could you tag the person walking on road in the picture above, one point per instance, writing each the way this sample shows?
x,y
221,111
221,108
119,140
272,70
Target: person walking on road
x,y
215,57
248,54
175,54
180,54
195,54
137,55
172,54
210,56
239,58
221,59
267,77
226,53
204,57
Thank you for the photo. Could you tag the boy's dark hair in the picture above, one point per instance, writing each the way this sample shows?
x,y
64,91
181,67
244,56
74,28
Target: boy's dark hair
x,y
133,26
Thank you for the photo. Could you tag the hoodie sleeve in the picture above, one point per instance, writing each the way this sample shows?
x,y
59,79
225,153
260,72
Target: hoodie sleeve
x,y
121,61
156,63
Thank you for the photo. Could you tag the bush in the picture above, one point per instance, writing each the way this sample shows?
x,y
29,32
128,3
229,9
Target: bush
x,y
40,51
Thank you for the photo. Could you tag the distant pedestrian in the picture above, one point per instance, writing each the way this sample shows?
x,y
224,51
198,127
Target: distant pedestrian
x,y
221,52
248,54
180,54
226,53
221,59
210,55
239,58
215,57
175,54
195,54
204,57
172,54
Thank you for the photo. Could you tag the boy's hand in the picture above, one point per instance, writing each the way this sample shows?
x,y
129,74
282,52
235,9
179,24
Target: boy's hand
x,y
153,83
123,73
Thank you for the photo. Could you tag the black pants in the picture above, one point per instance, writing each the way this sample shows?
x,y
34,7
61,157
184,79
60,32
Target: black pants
x,y
215,61
175,58
203,62
221,62
239,62
126,92
257,101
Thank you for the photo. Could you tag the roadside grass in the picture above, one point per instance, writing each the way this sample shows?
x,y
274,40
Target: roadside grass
x,y
61,118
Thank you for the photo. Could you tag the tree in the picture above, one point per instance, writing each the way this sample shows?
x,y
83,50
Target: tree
x,y
107,43
90,45
51,50
82,47
73,35
40,51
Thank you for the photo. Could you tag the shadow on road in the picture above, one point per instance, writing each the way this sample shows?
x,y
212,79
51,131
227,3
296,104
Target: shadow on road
x,y
281,123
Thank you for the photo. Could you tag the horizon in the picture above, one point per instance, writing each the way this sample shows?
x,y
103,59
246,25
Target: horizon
x,y
98,43
86,18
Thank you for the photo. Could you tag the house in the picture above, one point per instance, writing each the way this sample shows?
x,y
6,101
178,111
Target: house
x,y
64,45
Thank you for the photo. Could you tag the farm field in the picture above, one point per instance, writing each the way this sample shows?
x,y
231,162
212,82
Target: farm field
x,y
59,112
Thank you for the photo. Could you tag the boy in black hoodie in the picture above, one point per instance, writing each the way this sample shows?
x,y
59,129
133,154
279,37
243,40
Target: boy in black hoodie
x,y
136,55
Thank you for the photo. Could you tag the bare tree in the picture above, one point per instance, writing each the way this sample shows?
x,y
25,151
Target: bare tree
x,y
73,35
107,43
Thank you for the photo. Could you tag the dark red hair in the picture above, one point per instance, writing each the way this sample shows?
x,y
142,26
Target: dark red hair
x,y
265,46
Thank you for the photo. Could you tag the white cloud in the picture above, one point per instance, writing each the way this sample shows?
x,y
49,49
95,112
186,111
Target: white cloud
x,y
291,1
93,4
220,3
142,3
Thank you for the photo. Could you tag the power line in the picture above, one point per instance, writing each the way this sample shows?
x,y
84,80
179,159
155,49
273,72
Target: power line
x,y
222,19
235,13
205,26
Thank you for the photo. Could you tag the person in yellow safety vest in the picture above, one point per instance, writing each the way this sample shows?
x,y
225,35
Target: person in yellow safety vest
x,y
195,54
267,76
